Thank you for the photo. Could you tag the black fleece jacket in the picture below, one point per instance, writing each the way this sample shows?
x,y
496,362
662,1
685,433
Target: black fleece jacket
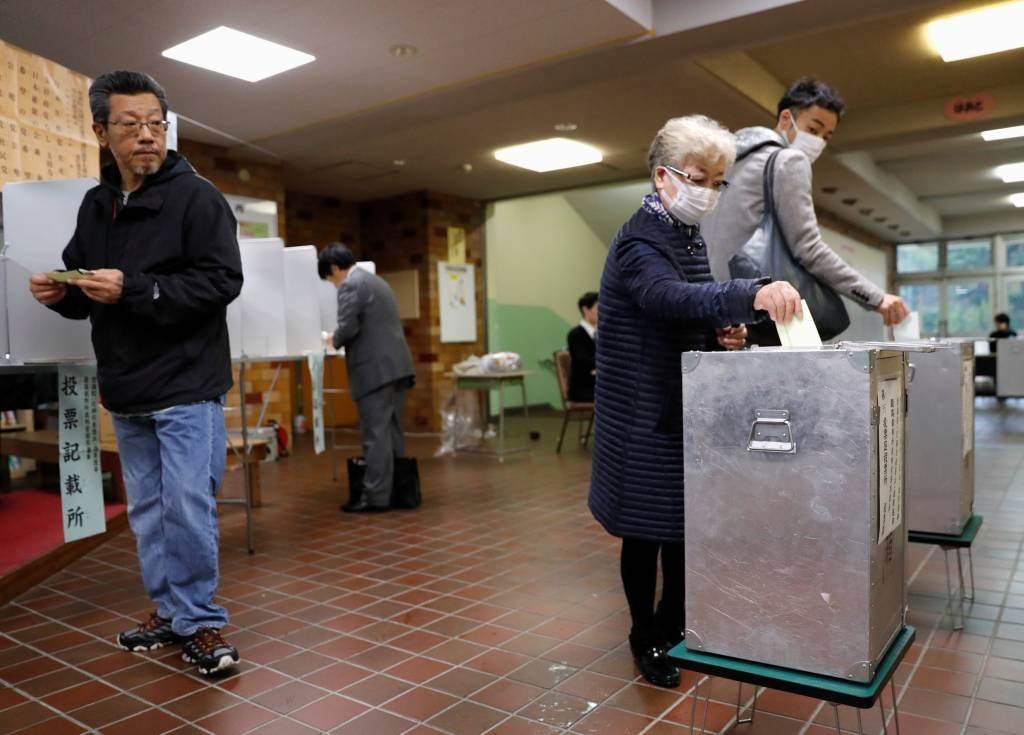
x,y
165,343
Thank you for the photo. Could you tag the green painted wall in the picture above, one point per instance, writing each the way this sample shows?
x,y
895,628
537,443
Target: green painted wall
x,y
543,253
535,332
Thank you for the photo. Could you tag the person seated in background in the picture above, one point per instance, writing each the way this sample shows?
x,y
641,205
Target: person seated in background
x,y
807,116
1002,330
582,349
658,300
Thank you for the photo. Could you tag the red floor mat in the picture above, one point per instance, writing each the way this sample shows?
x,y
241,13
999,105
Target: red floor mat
x,y
30,526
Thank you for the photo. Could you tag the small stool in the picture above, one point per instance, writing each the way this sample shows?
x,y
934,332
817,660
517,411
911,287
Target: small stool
x,y
947,543
833,690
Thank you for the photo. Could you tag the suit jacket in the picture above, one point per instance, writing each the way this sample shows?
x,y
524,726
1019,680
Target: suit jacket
x,y
369,329
581,373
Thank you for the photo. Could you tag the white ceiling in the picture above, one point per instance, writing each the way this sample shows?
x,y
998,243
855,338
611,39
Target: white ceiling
x,y
491,73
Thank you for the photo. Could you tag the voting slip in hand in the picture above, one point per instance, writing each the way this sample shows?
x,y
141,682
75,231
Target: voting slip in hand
x,y
72,275
799,332
909,329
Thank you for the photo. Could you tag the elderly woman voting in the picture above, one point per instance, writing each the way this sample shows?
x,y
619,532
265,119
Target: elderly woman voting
x,y
658,300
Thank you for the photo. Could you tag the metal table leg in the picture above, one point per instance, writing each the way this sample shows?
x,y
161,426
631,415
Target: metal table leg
x,y
949,593
501,421
246,469
835,711
739,711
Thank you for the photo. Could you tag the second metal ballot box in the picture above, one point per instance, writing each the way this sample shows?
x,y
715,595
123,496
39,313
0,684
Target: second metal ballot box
x,y
795,540
1009,368
940,438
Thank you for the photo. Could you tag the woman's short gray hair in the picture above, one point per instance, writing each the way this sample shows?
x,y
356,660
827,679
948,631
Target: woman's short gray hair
x,y
696,134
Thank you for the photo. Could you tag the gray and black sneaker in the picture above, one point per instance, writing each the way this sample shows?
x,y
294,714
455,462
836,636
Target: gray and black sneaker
x,y
148,635
209,652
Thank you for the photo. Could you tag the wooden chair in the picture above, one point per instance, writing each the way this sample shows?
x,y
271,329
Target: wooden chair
x,y
584,411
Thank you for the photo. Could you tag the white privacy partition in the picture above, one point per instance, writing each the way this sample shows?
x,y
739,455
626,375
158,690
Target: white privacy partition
x,y
39,219
5,342
301,295
256,319
327,295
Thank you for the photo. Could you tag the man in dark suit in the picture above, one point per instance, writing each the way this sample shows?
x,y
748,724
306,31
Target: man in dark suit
x,y
380,369
1002,330
582,347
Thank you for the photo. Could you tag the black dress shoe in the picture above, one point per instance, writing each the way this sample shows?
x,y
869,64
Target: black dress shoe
x,y
361,506
654,665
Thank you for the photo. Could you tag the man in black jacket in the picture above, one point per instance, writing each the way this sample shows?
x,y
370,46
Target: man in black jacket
x,y
582,349
160,242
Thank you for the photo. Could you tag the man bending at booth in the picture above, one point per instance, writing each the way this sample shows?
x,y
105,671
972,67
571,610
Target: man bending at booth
x,y
160,242
380,369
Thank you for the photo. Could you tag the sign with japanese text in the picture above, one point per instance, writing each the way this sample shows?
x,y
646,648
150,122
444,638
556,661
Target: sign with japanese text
x,y
81,484
970,107
890,457
316,384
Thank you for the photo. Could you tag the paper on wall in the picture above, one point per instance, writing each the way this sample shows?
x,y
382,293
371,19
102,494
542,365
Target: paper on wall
x,y
799,332
890,457
967,405
909,329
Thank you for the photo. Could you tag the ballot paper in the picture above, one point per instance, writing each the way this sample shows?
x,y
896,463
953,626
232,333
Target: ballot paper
x,y
71,275
799,332
909,329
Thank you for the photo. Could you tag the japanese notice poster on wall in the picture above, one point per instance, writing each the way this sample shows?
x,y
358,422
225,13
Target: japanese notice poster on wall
x,y
45,123
316,386
890,457
457,291
81,485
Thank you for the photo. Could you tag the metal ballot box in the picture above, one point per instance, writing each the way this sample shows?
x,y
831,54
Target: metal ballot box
x,y
794,505
940,438
1009,368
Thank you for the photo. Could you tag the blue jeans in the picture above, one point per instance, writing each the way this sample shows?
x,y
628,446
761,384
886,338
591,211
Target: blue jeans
x,y
173,462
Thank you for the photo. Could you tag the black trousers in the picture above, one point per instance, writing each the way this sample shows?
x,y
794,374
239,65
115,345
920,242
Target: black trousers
x,y
639,568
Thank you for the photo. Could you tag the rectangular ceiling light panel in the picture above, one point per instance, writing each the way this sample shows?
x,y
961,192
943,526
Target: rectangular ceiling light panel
x,y
1016,131
987,30
1011,172
551,154
236,54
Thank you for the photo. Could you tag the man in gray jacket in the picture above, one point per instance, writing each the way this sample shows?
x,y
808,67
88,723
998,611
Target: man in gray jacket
x,y
807,118
380,369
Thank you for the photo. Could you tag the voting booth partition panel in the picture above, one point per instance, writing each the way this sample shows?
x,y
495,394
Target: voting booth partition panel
x,y
39,219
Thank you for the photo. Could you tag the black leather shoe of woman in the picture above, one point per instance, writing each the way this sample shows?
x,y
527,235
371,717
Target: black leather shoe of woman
x,y
652,660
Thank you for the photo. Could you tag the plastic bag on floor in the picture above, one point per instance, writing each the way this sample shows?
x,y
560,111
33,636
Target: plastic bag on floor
x,y
461,426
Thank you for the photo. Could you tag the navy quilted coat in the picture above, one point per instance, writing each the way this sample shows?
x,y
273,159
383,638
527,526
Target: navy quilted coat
x,y
658,300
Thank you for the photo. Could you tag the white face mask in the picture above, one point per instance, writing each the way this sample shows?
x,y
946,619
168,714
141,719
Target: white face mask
x,y
691,204
810,145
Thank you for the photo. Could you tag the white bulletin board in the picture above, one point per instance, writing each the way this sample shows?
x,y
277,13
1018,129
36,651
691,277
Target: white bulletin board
x,y
456,285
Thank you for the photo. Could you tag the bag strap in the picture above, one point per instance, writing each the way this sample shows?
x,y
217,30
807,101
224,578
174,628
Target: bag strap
x,y
769,183
756,148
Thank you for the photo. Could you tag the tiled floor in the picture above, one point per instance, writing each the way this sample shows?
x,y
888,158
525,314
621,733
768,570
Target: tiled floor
x,y
496,608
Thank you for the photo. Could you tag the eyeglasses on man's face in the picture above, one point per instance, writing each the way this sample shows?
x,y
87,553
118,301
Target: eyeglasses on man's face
x,y
132,128
715,185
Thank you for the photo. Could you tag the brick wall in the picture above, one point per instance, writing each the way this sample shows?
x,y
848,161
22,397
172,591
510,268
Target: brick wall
x,y
320,221
238,176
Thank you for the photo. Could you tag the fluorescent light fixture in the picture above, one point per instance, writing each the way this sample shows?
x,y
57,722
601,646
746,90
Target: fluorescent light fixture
x,y
1011,172
236,54
1017,200
987,30
551,154
1016,131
